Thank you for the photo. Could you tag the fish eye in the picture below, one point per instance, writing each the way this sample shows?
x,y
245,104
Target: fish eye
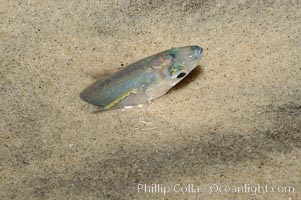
x,y
180,75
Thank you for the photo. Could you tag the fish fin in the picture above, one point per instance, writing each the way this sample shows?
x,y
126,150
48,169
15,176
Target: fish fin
x,y
121,98
158,90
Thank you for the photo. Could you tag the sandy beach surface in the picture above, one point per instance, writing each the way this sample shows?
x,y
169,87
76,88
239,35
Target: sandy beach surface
x,y
230,130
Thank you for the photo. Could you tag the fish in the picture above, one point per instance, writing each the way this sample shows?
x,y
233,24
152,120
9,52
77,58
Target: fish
x,y
144,80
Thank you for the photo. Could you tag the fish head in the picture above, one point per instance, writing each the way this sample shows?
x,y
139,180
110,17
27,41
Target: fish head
x,y
170,67
185,60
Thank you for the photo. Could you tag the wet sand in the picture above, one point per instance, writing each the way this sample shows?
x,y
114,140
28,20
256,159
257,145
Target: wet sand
x,y
235,120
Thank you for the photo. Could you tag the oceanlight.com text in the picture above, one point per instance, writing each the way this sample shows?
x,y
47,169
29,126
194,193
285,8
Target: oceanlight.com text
x,y
213,188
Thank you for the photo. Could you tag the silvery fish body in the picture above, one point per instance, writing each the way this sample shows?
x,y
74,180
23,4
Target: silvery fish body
x,y
143,80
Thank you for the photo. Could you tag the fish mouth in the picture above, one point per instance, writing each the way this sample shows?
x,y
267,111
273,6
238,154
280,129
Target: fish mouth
x,y
197,51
